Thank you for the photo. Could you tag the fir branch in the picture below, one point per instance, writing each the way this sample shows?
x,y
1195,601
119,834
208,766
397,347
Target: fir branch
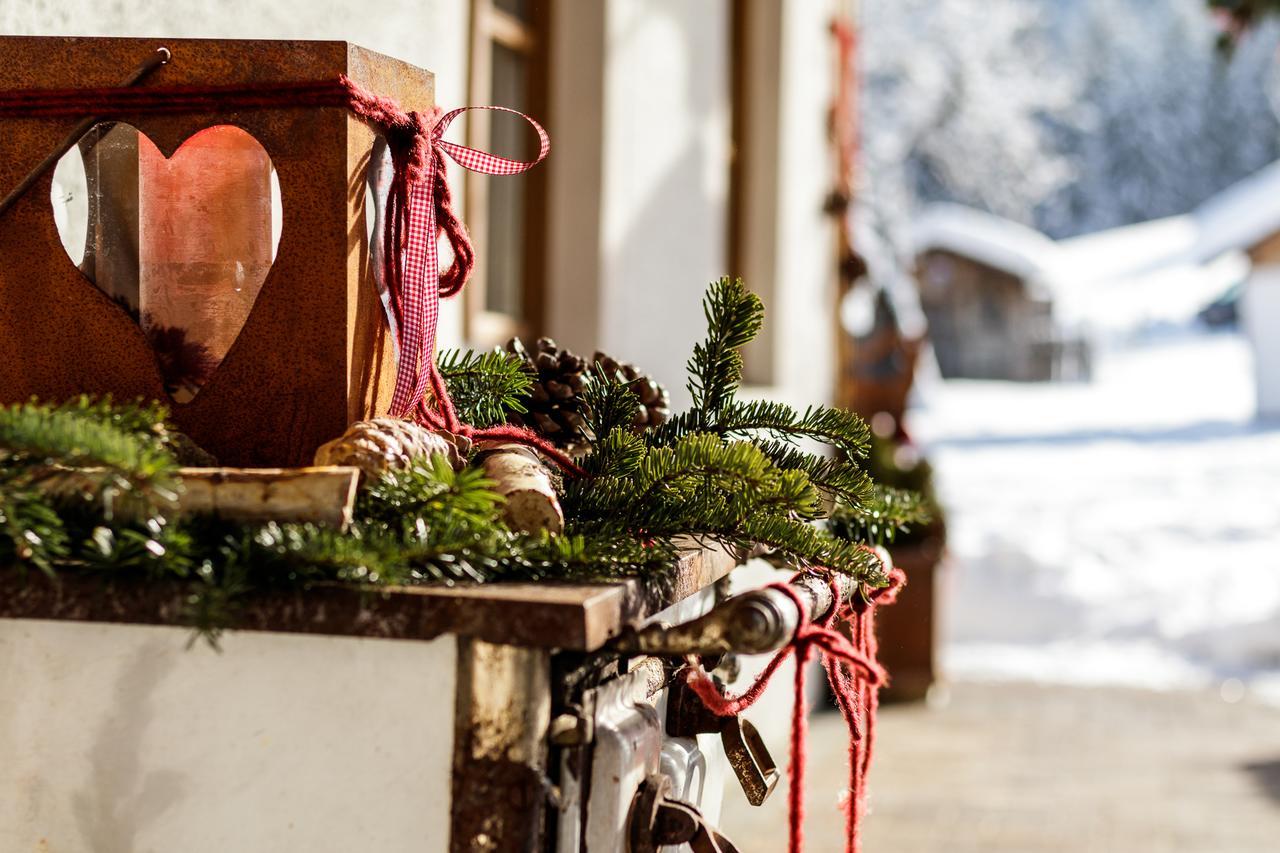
x,y
485,386
836,479
31,532
79,436
734,317
618,455
430,490
881,517
608,405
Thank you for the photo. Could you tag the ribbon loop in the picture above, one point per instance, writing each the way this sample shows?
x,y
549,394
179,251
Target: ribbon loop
x,y
485,162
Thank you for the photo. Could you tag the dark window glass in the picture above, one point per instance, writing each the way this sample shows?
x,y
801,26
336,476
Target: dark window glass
x,y
510,138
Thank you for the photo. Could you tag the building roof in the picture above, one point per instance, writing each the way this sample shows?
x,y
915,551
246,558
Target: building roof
x,y
1241,216
1128,251
997,242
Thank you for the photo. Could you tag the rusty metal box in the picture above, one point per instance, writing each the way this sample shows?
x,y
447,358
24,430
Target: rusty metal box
x,y
315,351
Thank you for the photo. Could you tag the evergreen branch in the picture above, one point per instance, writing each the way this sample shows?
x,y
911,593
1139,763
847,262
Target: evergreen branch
x,y
880,518
734,317
619,454
836,479
838,428
485,386
79,436
430,490
608,405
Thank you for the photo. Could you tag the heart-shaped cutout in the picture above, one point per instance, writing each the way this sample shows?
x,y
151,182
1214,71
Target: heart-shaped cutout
x,y
183,243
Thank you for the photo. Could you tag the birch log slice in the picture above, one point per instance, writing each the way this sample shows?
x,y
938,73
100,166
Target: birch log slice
x,y
523,480
324,495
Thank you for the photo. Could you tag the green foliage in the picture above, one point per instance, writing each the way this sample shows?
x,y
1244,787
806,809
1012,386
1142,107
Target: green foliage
x,y
729,470
879,519
125,472
739,473
734,318
707,489
485,386
423,524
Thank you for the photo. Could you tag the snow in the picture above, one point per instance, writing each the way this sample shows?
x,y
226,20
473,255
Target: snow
x,y
1129,250
997,242
1241,215
1121,532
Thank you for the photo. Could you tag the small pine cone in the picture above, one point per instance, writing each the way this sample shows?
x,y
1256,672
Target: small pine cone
x,y
556,408
655,403
386,444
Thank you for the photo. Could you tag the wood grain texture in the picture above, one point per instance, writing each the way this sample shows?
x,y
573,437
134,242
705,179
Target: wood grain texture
x,y
579,617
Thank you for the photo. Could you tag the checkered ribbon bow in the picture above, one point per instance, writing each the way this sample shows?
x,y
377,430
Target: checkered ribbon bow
x,y
417,297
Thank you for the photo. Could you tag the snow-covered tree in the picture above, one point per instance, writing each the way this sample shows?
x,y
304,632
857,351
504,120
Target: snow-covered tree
x,y
1068,115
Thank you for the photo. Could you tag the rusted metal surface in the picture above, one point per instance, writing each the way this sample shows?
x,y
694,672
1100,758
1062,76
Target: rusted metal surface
x,y
658,820
757,772
579,617
315,353
503,711
158,58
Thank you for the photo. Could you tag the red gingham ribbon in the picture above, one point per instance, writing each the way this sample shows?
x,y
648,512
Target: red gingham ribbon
x,y
420,289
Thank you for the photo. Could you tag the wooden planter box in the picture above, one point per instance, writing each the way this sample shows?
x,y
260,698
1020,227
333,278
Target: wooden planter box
x,y
341,720
909,630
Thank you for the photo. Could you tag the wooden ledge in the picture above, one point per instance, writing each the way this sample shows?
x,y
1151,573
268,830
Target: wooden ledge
x,y
579,617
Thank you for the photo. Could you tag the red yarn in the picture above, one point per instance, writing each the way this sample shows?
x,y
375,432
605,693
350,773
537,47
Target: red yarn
x,y
419,209
855,677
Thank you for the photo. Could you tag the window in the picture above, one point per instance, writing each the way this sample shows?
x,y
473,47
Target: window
x,y
506,215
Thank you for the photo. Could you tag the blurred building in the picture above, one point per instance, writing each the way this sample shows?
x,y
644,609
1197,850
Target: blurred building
x,y
689,141
986,290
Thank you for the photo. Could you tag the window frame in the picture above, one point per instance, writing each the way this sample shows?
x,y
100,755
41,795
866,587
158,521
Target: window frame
x,y
493,26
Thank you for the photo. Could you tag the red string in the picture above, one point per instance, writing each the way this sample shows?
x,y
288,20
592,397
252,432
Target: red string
x,y
855,677
419,210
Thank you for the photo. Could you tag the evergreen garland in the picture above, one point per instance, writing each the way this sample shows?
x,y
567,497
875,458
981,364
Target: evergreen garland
x,y
726,471
485,386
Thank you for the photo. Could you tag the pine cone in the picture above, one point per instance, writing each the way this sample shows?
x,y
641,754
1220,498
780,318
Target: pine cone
x,y
386,444
556,408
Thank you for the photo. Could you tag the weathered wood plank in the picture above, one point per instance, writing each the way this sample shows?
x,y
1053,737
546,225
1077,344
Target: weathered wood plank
x,y
580,617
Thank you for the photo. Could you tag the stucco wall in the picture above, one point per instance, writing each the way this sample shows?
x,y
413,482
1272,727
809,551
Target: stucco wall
x,y
666,140
118,738
640,184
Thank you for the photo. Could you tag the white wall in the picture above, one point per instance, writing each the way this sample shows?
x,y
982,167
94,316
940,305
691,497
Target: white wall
x,y
118,738
802,307
1260,308
431,34
639,186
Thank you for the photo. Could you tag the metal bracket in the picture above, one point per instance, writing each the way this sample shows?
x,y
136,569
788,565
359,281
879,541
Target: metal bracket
x,y
657,820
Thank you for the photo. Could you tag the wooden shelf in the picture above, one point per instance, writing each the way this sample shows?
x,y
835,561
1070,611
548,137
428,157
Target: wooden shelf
x,y
580,617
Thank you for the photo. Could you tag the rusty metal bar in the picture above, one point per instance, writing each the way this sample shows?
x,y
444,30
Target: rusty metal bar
x,y
755,622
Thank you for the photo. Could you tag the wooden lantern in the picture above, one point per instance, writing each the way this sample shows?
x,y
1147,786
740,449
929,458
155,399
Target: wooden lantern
x,y
315,350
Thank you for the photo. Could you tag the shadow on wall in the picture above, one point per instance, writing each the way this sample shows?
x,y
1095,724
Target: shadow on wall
x,y
1267,776
121,797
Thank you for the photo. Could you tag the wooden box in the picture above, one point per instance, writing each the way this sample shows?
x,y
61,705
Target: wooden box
x,y
315,350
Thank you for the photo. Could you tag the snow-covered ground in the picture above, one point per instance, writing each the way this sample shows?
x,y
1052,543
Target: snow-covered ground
x,y
1125,531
